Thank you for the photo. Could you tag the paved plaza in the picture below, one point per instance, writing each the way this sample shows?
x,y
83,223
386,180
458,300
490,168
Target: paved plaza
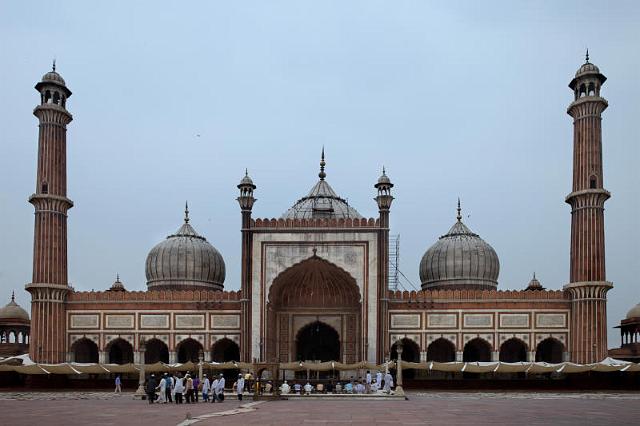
x,y
524,408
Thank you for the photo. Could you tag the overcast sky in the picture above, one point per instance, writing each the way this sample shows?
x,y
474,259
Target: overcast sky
x,y
172,102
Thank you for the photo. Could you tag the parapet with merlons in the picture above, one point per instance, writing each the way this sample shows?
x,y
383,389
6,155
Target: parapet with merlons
x,y
475,298
277,224
165,299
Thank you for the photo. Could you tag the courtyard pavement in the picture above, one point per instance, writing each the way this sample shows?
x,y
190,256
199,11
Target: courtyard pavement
x,y
433,407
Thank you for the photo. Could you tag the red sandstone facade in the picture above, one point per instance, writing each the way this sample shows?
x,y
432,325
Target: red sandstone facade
x,y
322,274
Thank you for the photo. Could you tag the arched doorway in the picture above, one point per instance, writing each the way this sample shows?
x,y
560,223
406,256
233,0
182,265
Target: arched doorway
x,y
189,350
549,350
120,352
441,350
317,342
477,350
513,350
225,350
318,288
410,353
156,351
85,350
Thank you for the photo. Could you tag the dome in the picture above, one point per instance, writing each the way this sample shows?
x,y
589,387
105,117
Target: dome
x,y
587,69
117,285
384,180
53,77
321,202
634,312
246,181
13,311
534,284
460,259
185,260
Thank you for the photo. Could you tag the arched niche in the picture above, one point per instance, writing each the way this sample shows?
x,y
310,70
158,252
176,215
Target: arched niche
x,y
477,350
156,351
189,350
225,350
441,350
85,350
550,350
513,350
119,351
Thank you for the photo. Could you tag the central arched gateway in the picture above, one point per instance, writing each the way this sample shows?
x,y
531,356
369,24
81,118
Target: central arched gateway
x,y
318,342
313,313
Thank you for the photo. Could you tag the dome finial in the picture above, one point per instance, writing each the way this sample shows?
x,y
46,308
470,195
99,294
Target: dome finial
x,y
117,277
459,216
322,174
586,56
246,172
13,295
186,212
53,67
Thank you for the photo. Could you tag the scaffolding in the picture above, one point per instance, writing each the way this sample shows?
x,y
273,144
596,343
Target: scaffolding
x,y
394,261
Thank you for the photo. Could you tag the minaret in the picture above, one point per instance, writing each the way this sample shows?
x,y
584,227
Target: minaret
x,y
588,285
49,286
384,200
246,201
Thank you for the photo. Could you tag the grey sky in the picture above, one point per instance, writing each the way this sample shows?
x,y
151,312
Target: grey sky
x,y
455,99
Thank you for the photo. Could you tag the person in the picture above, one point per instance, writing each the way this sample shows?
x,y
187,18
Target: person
x,y
240,387
168,387
214,390
162,387
205,389
308,388
388,382
368,382
196,387
151,388
297,387
268,388
220,389
349,387
379,378
172,391
320,388
118,384
360,388
338,387
374,386
179,388
285,388
189,389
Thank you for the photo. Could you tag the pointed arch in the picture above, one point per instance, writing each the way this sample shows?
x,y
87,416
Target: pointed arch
x,y
85,350
156,351
513,350
314,282
477,349
224,350
550,350
189,350
119,351
441,350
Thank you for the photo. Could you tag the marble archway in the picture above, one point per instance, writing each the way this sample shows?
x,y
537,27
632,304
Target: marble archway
x,y
313,291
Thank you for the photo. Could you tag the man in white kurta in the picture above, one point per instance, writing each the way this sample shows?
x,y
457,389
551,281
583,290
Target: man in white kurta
x,y
285,388
388,382
220,389
368,382
379,378
240,387
214,390
163,390
206,385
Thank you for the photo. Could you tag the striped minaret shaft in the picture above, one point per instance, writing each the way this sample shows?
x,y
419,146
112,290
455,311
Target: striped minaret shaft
x,y
49,286
588,286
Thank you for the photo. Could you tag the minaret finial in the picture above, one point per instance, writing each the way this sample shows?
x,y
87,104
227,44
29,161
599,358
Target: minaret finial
x,y
384,172
322,174
459,216
13,295
586,56
246,171
117,277
186,212
534,275
53,68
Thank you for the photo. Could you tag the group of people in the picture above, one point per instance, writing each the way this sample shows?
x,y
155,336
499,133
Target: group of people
x,y
188,389
368,385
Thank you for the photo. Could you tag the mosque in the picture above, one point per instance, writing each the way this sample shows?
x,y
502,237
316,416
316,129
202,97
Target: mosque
x,y
315,281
